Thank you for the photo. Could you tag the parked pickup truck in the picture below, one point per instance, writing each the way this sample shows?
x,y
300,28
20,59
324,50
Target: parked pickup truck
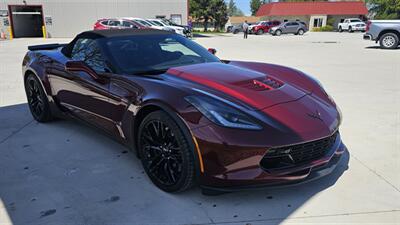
x,y
387,32
351,25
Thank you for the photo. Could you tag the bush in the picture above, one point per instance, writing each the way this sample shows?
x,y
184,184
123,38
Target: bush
x,y
323,29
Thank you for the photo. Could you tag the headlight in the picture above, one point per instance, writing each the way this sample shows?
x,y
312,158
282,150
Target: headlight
x,y
222,114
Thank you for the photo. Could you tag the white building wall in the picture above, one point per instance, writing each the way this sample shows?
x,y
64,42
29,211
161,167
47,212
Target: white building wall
x,y
72,17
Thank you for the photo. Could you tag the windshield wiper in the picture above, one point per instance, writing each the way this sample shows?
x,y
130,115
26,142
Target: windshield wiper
x,y
150,72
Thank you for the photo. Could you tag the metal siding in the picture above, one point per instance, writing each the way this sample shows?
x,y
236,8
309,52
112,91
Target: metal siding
x,y
72,17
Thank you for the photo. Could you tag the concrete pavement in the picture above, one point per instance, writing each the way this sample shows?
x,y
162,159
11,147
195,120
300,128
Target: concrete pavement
x,y
66,173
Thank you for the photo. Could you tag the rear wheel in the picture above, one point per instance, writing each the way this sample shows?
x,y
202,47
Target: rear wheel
x,y
389,41
165,153
37,99
260,32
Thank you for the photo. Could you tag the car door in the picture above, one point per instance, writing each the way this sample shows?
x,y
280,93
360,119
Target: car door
x,y
345,25
291,27
79,92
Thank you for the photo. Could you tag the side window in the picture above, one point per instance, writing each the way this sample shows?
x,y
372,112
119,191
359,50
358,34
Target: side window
x,y
87,50
128,24
105,22
114,23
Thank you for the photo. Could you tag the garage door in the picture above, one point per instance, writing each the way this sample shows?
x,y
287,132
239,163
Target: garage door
x,y
26,20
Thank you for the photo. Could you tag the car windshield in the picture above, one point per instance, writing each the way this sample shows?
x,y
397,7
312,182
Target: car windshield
x,y
152,23
152,54
355,21
157,23
144,23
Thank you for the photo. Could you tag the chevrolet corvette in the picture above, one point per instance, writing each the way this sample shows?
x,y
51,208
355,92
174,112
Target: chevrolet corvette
x,y
191,118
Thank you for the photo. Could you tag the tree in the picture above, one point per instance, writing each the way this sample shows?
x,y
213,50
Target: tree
x,y
255,5
209,10
385,9
220,14
201,10
233,10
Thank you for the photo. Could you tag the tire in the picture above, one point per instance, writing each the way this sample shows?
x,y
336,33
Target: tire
x,y
235,31
300,32
278,32
350,29
165,153
389,41
340,29
260,32
37,99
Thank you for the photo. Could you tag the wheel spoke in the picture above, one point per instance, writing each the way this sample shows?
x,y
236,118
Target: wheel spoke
x,y
163,155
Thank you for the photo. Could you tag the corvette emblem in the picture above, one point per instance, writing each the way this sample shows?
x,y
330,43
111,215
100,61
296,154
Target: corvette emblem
x,y
288,151
315,115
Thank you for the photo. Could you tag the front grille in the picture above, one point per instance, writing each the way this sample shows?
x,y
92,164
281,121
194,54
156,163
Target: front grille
x,y
295,155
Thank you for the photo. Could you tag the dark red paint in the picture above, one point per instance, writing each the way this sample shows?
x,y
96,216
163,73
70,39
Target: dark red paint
x,y
231,156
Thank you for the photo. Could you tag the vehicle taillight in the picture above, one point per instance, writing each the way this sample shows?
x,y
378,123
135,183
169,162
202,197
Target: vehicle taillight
x,y
368,25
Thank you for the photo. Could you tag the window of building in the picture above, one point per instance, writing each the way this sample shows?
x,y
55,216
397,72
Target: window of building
x,y
318,22
176,19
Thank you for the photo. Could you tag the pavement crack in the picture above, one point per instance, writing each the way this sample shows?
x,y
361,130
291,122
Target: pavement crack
x,y
374,172
15,132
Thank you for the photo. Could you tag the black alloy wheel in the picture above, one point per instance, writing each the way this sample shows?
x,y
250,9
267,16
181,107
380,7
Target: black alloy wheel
x,y
37,99
165,153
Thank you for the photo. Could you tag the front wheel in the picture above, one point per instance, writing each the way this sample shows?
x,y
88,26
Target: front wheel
x,y
278,32
350,29
165,153
389,41
37,100
260,32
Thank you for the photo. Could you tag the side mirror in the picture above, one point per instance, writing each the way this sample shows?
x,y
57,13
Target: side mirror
x,y
212,51
80,66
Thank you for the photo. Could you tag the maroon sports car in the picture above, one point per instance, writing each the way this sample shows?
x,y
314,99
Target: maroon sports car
x,y
190,117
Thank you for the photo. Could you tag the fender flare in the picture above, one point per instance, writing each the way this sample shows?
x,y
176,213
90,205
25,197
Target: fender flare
x,y
181,124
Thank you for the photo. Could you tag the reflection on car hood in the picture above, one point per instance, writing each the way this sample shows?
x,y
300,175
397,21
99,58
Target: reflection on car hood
x,y
256,89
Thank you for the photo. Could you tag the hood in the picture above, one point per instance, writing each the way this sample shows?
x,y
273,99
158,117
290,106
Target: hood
x,y
256,89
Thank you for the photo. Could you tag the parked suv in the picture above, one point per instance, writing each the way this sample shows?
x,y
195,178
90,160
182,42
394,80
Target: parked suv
x,y
264,26
293,27
352,24
159,22
105,24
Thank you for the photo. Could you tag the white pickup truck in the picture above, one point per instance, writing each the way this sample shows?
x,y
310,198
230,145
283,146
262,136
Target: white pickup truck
x,y
351,25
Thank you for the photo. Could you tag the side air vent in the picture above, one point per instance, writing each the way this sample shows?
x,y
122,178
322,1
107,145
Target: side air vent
x,y
266,84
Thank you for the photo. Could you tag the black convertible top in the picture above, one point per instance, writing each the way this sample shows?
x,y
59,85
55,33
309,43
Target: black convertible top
x,y
120,32
96,34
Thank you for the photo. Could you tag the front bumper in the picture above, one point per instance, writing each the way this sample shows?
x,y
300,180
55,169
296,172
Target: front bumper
x,y
368,37
230,168
359,28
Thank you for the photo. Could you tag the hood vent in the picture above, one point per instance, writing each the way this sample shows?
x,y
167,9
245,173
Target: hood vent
x,y
266,84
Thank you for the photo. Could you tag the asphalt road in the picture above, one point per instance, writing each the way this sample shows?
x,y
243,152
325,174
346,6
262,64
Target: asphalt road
x,y
66,173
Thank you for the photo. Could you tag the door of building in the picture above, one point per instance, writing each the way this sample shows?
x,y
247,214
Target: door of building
x,y
26,20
